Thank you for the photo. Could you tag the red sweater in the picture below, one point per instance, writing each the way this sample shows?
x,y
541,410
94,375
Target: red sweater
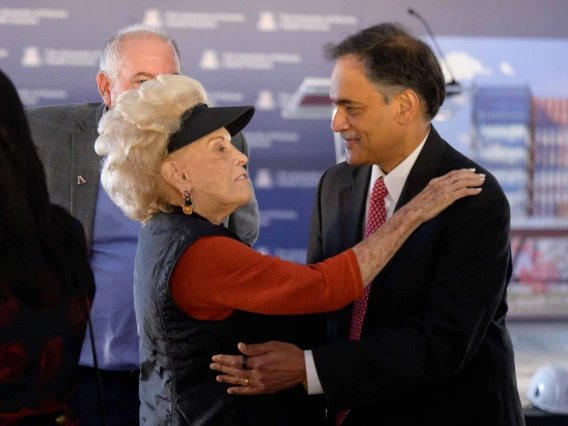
x,y
216,275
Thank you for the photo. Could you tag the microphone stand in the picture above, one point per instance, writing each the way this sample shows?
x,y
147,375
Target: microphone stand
x,y
453,85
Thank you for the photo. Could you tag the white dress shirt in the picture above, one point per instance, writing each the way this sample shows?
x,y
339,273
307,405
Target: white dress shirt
x,y
394,182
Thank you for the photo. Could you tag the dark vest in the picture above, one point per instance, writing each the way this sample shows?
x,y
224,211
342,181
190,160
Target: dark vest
x,y
177,387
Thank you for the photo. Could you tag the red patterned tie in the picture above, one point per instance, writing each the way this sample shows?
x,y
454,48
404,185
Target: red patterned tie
x,y
376,217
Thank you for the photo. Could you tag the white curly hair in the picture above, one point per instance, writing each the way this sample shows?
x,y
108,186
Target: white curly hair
x,y
133,136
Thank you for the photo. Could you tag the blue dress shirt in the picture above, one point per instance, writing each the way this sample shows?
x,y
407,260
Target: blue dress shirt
x,y
115,238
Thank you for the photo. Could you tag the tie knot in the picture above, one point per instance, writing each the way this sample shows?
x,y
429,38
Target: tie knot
x,y
380,190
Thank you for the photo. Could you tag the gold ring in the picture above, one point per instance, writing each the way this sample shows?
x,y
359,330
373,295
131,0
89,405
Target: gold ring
x,y
246,382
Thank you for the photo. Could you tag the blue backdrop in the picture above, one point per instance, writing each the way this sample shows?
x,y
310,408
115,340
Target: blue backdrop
x,y
259,53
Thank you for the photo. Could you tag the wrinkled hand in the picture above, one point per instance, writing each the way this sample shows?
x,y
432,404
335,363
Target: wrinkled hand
x,y
441,192
271,367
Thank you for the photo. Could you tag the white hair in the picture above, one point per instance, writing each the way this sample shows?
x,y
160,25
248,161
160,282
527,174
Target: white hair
x,y
134,136
111,60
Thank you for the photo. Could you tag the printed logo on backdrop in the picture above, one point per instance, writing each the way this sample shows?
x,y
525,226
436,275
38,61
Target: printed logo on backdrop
x,y
263,179
212,60
269,22
10,16
266,140
34,57
266,22
216,98
209,60
267,101
266,179
153,17
33,97
266,217
191,20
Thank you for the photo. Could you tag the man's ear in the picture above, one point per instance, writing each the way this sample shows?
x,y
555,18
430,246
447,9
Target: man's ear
x,y
173,176
409,106
103,83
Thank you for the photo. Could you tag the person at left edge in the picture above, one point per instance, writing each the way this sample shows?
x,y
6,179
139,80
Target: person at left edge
x,y
65,137
46,284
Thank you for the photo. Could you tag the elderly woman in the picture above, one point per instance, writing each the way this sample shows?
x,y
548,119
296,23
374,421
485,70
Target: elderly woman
x,y
199,290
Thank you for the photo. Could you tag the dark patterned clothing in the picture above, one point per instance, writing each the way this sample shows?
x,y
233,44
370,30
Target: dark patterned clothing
x,y
40,346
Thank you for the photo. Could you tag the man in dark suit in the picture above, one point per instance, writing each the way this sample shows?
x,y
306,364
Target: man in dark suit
x,y
65,137
434,346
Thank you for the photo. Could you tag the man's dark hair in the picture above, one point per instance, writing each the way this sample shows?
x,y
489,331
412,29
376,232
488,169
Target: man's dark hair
x,y
394,60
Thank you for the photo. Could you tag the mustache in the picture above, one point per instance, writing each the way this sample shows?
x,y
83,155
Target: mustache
x,y
348,135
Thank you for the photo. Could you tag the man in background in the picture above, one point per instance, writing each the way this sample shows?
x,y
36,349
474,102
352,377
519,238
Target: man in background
x,y
65,137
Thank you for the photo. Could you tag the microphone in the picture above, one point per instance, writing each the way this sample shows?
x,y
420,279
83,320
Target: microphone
x,y
452,87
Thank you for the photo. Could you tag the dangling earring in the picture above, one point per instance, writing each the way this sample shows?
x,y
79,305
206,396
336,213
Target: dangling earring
x,y
187,202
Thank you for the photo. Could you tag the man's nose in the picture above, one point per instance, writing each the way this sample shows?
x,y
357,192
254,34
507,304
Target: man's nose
x,y
339,122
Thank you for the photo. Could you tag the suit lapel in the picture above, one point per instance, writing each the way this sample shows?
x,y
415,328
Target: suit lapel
x,y
85,170
352,200
425,168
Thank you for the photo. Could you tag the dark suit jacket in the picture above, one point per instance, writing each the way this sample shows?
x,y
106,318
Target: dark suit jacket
x,y
65,137
435,348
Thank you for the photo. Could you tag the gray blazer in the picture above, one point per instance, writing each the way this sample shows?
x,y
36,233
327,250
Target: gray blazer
x,y
65,136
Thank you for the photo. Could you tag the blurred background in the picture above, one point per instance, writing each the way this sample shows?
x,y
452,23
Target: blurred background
x,y
506,65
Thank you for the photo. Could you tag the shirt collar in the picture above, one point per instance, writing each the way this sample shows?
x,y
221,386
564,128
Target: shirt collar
x,y
396,179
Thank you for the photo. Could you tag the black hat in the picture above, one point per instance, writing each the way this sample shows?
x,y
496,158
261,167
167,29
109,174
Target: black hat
x,y
200,120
